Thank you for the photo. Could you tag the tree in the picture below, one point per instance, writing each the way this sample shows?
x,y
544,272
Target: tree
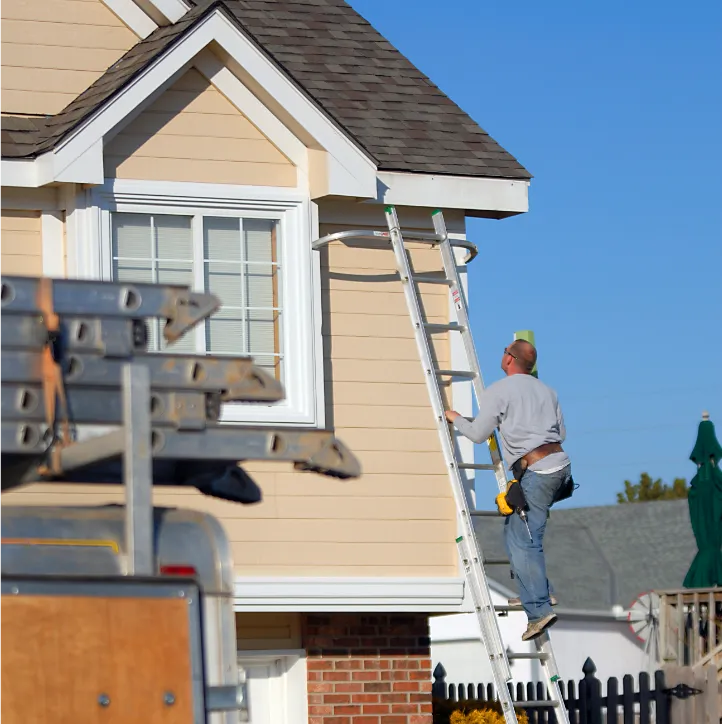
x,y
647,489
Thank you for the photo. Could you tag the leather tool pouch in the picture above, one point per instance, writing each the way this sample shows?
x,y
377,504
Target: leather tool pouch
x,y
566,490
518,469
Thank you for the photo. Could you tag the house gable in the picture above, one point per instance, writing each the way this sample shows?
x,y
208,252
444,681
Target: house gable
x,y
193,133
53,50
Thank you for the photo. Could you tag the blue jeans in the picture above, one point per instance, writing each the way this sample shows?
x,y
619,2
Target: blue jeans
x,y
527,555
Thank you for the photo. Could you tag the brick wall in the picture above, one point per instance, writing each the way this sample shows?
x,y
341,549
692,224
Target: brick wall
x,y
368,669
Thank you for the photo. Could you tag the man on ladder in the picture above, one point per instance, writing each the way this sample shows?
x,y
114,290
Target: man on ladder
x,y
531,427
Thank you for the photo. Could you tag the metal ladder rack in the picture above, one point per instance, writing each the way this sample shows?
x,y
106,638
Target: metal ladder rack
x,y
469,549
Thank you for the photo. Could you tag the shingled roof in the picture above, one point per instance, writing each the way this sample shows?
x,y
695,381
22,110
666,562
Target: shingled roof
x,y
366,86
603,556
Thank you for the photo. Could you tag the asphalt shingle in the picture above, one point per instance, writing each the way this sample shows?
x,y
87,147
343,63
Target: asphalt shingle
x,y
387,105
603,556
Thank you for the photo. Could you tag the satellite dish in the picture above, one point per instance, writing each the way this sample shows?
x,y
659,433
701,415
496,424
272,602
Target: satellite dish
x,y
643,618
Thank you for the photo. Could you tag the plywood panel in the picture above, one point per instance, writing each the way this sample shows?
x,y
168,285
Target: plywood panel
x,y
21,243
54,50
60,653
174,140
268,631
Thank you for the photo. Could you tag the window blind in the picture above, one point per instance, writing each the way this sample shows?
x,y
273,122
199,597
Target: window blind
x,y
240,266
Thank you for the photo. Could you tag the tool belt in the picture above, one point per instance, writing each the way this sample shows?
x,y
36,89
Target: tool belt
x,y
534,456
506,504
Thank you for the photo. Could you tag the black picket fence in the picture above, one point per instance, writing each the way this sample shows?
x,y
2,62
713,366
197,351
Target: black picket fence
x,y
584,702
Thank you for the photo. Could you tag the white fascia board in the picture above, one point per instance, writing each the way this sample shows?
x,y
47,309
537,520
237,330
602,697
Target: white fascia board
x,y
127,10
85,169
21,173
454,192
172,10
422,595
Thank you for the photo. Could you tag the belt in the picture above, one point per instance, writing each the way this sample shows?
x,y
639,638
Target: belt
x,y
538,453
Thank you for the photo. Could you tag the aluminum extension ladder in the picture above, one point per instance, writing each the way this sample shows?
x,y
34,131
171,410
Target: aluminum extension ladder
x,y
468,545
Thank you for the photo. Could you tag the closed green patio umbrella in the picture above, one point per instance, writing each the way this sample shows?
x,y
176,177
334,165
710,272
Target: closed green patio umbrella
x,y
705,509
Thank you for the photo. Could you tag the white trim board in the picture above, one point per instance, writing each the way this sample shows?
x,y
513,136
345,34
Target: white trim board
x,y
91,258
421,595
494,196
166,11
133,16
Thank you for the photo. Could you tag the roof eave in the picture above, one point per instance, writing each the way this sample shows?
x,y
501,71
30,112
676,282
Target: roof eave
x,y
476,195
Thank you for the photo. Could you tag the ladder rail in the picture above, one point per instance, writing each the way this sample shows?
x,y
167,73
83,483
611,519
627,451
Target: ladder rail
x,y
462,314
467,542
544,652
468,545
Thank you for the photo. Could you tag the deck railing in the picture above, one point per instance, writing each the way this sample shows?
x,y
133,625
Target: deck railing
x,y
690,625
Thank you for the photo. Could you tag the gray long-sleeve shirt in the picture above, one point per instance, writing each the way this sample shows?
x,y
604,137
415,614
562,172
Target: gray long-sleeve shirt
x,y
528,415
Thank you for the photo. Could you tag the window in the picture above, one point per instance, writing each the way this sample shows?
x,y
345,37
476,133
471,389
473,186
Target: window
x,y
234,258
253,254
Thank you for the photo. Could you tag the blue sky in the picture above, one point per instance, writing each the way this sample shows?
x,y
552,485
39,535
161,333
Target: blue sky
x,y
616,109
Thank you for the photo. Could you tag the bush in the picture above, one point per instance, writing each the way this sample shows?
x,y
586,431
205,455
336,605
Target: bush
x,y
472,711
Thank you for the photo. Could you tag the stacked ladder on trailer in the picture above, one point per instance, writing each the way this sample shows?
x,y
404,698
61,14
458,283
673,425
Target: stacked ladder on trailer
x,y
75,358
468,545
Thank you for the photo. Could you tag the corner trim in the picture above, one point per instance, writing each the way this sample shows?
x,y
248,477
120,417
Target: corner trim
x,y
421,595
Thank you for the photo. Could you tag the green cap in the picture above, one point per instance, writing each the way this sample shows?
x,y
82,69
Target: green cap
x,y
528,336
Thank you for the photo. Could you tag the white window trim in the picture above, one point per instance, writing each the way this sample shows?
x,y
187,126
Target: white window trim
x,y
302,341
288,687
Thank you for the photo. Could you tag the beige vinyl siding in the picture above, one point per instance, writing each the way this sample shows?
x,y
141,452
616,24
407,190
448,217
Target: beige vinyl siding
x,y
21,241
194,133
398,519
54,49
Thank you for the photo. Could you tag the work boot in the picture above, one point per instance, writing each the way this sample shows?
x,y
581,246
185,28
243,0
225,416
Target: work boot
x,y
517,601
537,628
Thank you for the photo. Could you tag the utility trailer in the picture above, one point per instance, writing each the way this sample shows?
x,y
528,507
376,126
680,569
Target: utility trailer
x,y
124,613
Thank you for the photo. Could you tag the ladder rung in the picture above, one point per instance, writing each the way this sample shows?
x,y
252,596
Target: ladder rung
x,y
476,466
451,327
496,562
539,655
485,514
432,280
507,609
538,704
464,374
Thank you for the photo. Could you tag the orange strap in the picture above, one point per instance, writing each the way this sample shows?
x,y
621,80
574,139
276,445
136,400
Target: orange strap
x,y
52,375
